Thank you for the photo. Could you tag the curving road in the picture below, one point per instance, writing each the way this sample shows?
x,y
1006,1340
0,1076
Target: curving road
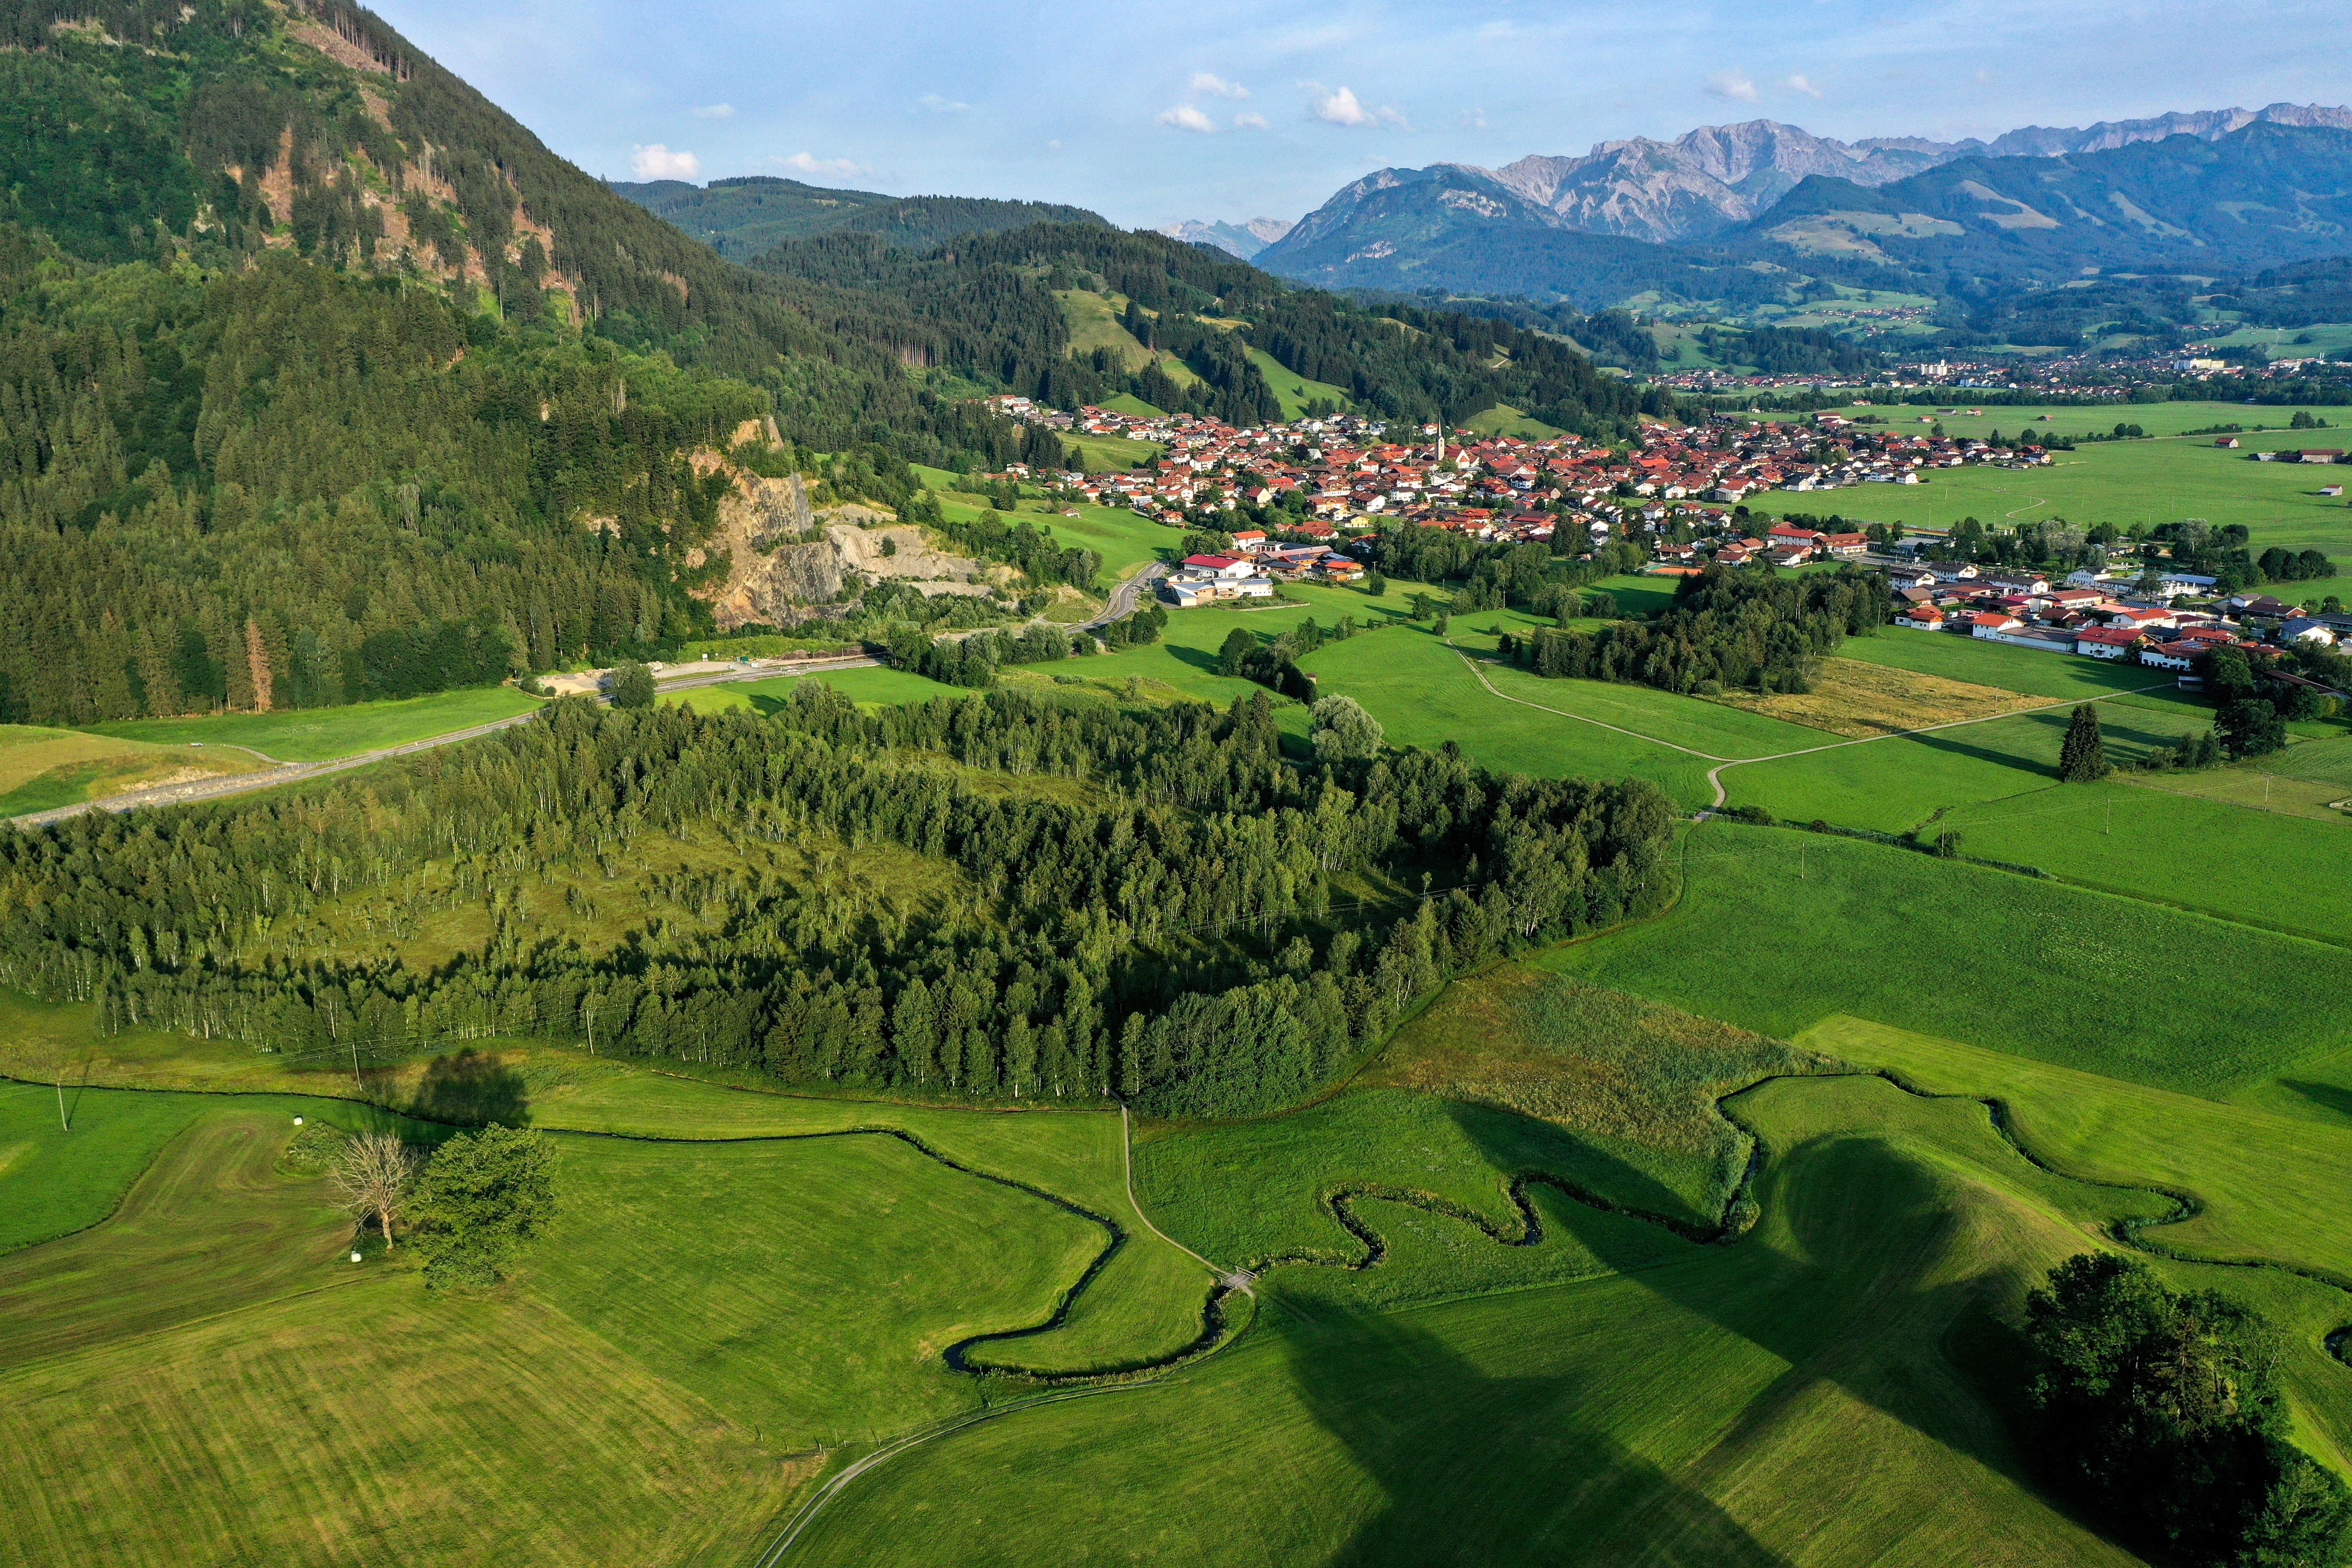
x,y
288,772
1124,598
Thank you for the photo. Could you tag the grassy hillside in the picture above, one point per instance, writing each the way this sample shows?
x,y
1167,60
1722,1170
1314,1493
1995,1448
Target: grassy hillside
x,y
41,768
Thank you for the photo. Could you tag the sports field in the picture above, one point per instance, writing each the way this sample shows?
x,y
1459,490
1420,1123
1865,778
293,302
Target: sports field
x,y
322,734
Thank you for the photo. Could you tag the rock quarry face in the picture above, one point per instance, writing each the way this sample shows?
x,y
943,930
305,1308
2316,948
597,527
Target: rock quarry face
x,y
772,578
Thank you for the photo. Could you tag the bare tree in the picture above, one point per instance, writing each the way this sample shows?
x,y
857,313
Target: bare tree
x,y
373,1173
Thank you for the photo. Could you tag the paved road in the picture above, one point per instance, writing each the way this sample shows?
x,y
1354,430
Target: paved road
x,y
288,772
1124,597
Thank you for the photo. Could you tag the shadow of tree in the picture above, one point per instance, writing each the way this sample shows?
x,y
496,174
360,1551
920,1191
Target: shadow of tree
x,y
2333,1097
470,1089
1482,1469
1841,1285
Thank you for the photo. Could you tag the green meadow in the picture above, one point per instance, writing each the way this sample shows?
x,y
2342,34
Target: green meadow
x,y
2122,482
878,685
1295,392
323,734
1779,928
1843,1349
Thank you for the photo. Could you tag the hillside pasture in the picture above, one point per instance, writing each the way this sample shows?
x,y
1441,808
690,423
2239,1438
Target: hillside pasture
x,y
1295,392
2029,671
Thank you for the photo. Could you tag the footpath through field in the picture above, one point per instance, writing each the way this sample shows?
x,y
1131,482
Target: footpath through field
x,y
1714,774
288,772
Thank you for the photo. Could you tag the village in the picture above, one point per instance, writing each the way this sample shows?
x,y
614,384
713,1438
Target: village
x,y
1680,494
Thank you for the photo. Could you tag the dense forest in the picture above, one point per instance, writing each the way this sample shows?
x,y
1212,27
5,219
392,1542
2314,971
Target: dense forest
x,y
746,215
1188,920
984,305
1728,627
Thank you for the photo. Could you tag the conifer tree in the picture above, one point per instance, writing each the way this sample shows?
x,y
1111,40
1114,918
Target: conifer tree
x,y
2083,757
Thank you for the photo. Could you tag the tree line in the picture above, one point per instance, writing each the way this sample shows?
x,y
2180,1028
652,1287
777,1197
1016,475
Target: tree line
x,y
1728,627
1205,928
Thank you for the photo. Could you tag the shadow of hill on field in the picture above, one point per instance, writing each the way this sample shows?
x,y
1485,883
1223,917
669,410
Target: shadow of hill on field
x,y
2331,1097
1480,1469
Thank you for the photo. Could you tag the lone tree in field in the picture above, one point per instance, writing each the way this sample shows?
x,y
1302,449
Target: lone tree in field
x,y
1237,646
632,686
373,1173
483,1195
2084,755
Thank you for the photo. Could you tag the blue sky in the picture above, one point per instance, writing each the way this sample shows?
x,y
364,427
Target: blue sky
x,y
1212,108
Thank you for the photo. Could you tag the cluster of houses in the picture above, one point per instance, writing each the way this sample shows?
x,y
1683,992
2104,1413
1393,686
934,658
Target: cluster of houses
x,y
2078,615
1255,569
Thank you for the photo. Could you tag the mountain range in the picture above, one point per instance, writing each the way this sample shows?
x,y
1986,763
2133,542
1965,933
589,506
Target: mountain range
x,y
2226,190
1242,239
1717,176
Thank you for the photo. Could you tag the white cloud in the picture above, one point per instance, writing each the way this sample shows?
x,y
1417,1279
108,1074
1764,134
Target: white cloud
x,y
1800,84
1341,107
1984,79
1184,117
937,105
832,168
1249,120
1474,120
715,111
658,163
1216,86
1733,84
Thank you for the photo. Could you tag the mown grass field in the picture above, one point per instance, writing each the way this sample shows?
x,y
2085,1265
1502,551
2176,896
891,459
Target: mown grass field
x,y
322,734
1856,698
2122,482
2155,418
1901,782
1778,928
204,1373
1504,420
1811,1394
41,768
880,685
2022,669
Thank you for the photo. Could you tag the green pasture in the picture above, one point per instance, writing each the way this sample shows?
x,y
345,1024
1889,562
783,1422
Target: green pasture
x,y
2057,675
1814,1394
742,1277
1294,391
2222,857
2268,1185
1902,782
1778,929
323,734
1124,538
1638,594
1424,695
2122,482
2078,420
1504,420
2290,343
877,685
42,768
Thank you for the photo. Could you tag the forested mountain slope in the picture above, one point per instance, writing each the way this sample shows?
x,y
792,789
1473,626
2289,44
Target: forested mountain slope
x,y
743,216
321,378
